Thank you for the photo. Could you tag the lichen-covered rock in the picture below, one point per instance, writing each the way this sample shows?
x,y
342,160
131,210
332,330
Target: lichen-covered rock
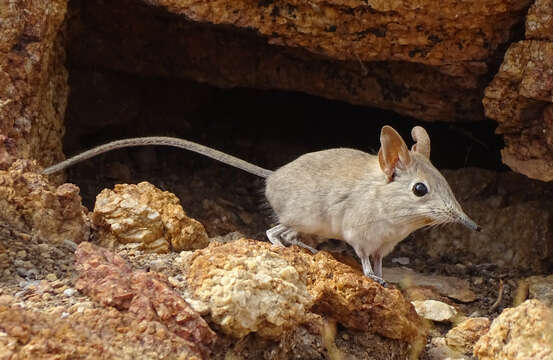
x,y
248,287
463,336
519,97
514,213
108,279
33,80
144,214
90,333
521,333
251,286
30,204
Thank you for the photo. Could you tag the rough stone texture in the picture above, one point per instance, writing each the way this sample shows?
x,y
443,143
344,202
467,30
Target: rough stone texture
x,y
248,288
29,203
438,350
514,212
426,60
463,336
539,21
435,310
89,333
524,332
429,31
520,97
33,80
237,281
106,278
357,302
144,214
455,288
541,288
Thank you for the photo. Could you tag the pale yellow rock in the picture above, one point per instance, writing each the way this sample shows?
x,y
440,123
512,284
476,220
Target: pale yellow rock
x,y
254,290
144,214
521,333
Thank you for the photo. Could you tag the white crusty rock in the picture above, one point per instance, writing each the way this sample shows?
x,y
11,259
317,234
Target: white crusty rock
x,y
251,289
434,310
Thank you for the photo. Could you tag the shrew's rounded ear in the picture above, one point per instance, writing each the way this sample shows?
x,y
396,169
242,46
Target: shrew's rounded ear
x,y
393,152
422,141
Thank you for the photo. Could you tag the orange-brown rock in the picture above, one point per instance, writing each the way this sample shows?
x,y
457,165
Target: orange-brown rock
x,y
251,286
369,30
109,280
144,214
33,80
539,21
357,302
426,60
519,97
93,334
30,204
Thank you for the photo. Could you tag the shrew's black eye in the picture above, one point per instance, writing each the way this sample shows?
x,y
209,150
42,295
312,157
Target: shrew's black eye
x,y
419,189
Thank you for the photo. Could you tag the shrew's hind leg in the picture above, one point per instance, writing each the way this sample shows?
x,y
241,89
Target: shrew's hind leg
x,y
282,235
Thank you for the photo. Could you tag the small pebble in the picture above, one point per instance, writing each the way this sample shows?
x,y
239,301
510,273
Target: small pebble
x,y
69,292
21,254
401,260
64,315
478,280
51,277
70,244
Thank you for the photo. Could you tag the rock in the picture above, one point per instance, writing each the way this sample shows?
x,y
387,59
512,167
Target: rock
x,y
514,213
33,81
401,260
144,214
91,333
519,97
539,23
435,310
438,350
523,332
357,302
449,286
541,288
250,286
247,287
148,296
329,28
463,336
376,53
30,204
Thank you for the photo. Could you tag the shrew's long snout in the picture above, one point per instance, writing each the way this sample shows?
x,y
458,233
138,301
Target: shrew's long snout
x,y
468,222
